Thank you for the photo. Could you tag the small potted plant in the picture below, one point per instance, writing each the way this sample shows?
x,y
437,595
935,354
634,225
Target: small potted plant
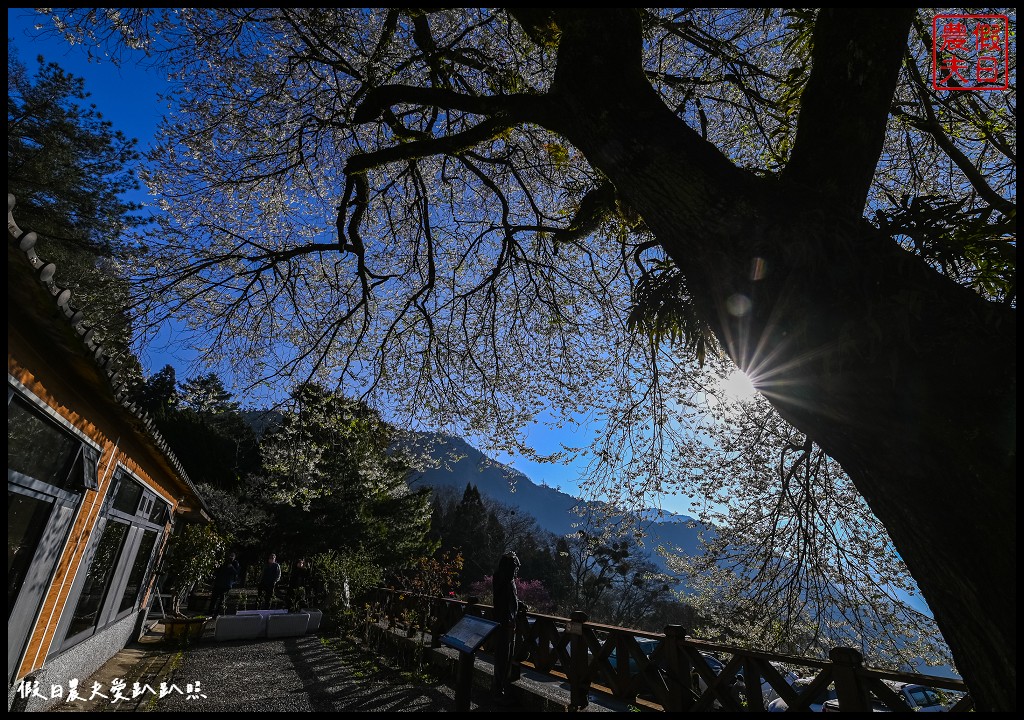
x,y
184,629
191,558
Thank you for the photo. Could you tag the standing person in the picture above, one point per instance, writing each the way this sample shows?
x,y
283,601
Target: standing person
x,y
506,606
299,585
224,578
268,581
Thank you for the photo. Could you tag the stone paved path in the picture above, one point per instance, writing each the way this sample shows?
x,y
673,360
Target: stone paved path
x,y
303,674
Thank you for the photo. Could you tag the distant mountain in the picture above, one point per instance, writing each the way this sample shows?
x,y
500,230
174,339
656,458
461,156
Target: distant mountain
x,y
262,420
452,462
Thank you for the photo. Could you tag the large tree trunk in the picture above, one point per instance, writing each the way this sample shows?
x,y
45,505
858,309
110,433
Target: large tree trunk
x,y
905,378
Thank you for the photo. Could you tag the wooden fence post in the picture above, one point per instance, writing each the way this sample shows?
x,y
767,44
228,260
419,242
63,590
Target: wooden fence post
x,y
579,687
678,676
437,627
466,665
851,691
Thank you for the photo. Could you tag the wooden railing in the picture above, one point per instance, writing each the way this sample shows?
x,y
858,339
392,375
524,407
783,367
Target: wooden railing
x,y
676,675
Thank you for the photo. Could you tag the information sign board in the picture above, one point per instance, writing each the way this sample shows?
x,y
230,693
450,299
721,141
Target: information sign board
x,y
469,633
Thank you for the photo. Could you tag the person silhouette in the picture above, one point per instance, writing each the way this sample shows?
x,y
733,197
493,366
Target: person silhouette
x,y
268,581
506,607
224,578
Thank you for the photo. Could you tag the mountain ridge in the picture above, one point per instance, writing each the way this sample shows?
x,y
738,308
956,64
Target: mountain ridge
x,y
449,461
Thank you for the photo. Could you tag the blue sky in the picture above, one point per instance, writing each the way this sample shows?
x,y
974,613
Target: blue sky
x,y
128,96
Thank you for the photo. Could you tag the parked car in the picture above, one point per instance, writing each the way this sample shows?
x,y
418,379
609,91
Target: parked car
x,y
833,706
717,666
828,693
920,698
712,662
647,645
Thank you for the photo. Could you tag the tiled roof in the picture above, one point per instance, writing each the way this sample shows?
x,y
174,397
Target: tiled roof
x,y
107,365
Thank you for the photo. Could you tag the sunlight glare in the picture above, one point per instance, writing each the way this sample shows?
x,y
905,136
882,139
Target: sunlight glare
x,y
737,386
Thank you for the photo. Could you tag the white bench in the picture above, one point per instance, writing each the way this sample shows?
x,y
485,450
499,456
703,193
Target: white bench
x,y
289,625
315,616
239,627
252,624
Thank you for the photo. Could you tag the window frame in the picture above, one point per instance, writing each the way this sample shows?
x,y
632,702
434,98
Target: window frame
x,y
137,523
66,503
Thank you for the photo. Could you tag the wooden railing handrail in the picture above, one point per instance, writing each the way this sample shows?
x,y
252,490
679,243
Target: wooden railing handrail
x,y
675,676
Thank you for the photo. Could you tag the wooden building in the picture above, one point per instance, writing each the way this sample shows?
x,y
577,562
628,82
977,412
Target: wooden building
x,y
93,490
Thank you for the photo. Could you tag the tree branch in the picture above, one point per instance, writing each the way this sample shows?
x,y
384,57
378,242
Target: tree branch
x,y
845,106
518,107
538,24
930,124
448,145
594,207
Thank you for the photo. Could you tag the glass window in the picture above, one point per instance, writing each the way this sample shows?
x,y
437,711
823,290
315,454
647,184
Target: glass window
x,y
127,497
101,568
137,577
26,520
923,696
158,513
38,448
117,573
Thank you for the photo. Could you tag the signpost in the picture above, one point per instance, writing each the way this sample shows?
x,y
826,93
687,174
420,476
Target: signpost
x,y
467,636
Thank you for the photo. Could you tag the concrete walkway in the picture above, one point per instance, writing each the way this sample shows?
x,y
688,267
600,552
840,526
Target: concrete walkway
x,y
303,674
